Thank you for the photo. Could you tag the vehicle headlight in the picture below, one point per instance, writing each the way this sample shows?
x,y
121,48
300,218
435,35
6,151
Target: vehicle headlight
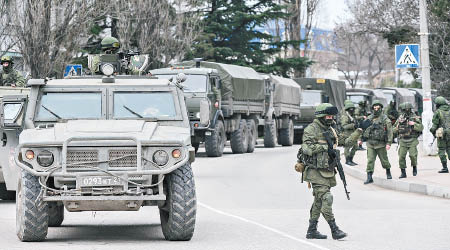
x,y
107,69
197,115
45,158
160,157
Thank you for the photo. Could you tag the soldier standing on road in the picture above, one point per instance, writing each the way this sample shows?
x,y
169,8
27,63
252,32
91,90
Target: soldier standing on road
x,y
348,124
360,115
379,137
409,127
441,130
318,172
9,76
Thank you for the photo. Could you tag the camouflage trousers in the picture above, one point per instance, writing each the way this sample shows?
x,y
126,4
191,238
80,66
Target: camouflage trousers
x,y
350,147
323,202
372,156
406,147
444,147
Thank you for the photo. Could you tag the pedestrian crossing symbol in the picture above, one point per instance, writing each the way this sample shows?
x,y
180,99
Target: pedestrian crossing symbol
x,y
407,56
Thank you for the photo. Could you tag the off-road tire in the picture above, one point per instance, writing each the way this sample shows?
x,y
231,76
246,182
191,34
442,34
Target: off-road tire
x,y
215,143
287,135
178,213
252,135
5,194
270,134
31,211
239,138
55,214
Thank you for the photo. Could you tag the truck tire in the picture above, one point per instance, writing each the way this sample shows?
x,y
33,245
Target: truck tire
x,y
31,210
252,135
5,194
287,135
215,143
55,214
178,213
239,138
270,134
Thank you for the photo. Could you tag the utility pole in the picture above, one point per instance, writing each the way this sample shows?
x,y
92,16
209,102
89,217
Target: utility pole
x,y
426,82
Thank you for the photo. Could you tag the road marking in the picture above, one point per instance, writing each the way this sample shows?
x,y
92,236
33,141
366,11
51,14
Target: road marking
x,y
263,226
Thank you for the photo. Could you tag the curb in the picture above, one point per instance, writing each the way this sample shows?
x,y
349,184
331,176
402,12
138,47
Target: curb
x,y
398,185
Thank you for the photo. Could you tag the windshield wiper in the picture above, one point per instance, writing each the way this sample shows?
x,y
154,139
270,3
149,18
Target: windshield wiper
x,y
51,112
133,112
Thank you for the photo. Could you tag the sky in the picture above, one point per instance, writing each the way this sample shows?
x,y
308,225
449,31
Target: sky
x,y
331,12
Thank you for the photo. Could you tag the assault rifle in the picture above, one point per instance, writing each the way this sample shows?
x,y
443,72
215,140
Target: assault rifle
x,y
335,161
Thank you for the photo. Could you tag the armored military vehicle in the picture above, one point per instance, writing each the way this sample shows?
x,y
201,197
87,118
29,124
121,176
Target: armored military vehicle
x,y
102,144
369,95
9,140
314,92
238,100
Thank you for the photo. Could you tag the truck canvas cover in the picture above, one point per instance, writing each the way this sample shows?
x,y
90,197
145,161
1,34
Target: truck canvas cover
x,y
240,83
287,95
335,90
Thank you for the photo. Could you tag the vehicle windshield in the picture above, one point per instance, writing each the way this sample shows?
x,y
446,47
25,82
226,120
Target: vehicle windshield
x,y
356,98
79,105
193,83
311,98
157,105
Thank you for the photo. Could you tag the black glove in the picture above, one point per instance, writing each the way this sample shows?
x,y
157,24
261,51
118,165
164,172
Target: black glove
x,y
364,124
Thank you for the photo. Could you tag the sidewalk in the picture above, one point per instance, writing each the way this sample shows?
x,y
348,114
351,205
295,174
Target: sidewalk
x,y
428,181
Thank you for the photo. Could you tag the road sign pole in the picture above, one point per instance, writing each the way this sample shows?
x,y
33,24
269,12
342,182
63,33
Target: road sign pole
x,y
426,82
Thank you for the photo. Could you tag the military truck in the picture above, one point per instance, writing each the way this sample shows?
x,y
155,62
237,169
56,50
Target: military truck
x,y
111,143
314,92
9,141
399,95
239,104
369,95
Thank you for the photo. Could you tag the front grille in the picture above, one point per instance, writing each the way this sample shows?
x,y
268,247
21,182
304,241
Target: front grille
x,y
81,156
123,158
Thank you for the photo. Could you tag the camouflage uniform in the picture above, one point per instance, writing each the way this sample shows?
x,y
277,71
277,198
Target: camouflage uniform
x,y
9,76
361,114
318,173
378,135
348,125
441,130
408,135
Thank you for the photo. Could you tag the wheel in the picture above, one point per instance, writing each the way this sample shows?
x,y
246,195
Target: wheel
x,y
239,138
178,212
31,210
252,134
287,135
270,134
196,146
215,143
5,194
55,214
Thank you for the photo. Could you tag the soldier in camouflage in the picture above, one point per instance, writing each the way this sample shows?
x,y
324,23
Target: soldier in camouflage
x,y
441,130
360,115
348,125
318,172
9,76
379,137
408,127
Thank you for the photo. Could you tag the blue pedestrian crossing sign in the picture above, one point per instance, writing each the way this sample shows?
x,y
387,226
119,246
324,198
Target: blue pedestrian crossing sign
x,y
73,70
407,56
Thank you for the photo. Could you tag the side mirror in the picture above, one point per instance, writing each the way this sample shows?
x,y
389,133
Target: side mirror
x,y
181,77
204,112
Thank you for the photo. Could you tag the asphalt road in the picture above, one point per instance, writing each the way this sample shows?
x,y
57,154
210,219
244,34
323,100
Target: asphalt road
x,y
256,201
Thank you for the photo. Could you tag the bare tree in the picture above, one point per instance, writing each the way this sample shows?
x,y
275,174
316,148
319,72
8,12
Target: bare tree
x,y
50,32
164,29
6,40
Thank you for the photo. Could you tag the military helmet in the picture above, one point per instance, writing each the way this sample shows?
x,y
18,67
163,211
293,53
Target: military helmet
x,y
325,109
406,105
7,59
347,101
349,105
110,42
377,102
440,100
362,103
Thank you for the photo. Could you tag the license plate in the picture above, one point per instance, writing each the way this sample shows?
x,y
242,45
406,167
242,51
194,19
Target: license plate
x,y
99,181
208,133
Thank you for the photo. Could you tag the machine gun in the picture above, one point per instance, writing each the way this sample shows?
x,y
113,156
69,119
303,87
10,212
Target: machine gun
x,y
335,161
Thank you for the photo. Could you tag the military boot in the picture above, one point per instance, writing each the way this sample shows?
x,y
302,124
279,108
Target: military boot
x,y
444,168
369,178
414,170
351,160
403,175
335,231
388,174
312,231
